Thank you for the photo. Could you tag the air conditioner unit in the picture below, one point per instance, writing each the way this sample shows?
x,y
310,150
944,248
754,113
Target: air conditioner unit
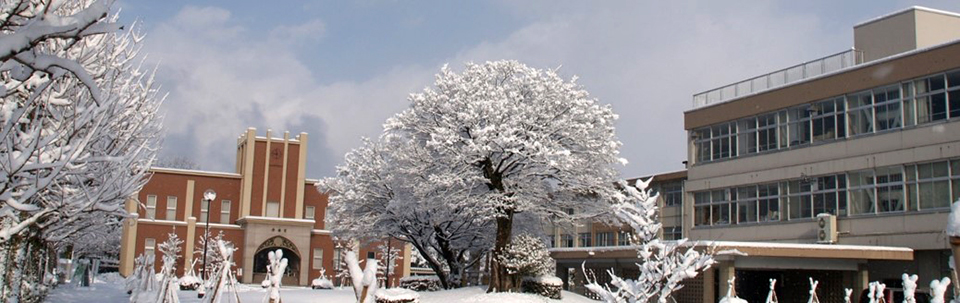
x,y
826,228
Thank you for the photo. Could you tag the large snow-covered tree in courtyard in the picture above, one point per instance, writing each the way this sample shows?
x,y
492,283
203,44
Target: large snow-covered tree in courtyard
x,y
503,138
78,126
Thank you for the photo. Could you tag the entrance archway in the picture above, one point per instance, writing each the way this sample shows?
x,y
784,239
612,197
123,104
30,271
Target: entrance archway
x,y
291,276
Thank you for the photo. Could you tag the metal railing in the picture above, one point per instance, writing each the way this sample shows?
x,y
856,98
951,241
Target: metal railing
x,y
779,78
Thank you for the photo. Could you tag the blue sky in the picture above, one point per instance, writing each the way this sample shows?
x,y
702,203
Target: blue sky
x,y
338,69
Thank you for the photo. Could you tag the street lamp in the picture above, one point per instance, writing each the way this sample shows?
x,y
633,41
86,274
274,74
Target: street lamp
x,y
208,196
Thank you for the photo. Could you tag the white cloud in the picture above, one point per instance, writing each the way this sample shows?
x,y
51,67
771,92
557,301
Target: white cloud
x,y
219,87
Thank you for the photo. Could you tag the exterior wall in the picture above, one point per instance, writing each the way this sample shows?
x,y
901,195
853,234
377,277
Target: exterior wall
x,y
887,36
936,27
861,77
267,170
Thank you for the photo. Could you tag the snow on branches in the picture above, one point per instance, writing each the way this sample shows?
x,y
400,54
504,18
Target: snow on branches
x,y
663,265
278,264
78,126
168,284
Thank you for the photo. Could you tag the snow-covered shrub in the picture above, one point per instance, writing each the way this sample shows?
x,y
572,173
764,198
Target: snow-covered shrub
x,y
545,286
168,281
527,256
222,277
663,264
421,283
938,289
396,295
278,264
190,282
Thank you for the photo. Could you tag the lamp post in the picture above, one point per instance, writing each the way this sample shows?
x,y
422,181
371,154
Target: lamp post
x,y
208,196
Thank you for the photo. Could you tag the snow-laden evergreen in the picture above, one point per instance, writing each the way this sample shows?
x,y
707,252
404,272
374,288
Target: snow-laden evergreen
x,y
527,256
78,131
663,265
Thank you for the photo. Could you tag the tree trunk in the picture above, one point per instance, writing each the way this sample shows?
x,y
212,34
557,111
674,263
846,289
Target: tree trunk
x,y
434,265
447,253
500,279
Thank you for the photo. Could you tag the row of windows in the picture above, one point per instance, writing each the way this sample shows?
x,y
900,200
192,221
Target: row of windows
x,y
608,238
925,100
889,189
273,209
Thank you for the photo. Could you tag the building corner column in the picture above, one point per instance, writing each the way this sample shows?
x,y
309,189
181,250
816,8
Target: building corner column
x,y
301,173
725,271
709,288
128,240
407,250
246,186
188,244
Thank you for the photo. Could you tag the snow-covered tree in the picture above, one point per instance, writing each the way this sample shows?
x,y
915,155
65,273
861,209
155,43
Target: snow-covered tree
x,y
274,275
493,141
168,283
663,264
145,289
379,193
78,126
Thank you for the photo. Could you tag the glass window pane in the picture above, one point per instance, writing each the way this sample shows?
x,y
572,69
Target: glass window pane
x,y
225,212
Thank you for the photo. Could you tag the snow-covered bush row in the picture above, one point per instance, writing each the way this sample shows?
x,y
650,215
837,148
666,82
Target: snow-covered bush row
x,y
78,131
421,283
545,286
396,295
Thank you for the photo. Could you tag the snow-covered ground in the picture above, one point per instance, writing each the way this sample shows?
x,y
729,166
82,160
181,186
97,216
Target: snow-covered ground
x,y
109,289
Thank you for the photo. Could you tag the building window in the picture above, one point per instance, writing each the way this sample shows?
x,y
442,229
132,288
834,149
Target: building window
x,y
309,212
317,258
204,210
861,113
149,247
672,193
747,135
876,191
337,254
767,132
768,201
623,238
225,211
928,96
371,255
929,184
887,108
712,208
746,201
828,120
673,233
171,208
812,196
798,125
273,209
151,206
584,240
717,142
551,241
605,238
566,240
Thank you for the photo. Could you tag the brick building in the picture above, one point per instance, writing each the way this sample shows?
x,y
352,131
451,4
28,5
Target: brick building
x,y
267,204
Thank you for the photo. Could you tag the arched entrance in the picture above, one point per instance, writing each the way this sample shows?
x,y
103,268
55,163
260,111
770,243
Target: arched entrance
x,y
291,276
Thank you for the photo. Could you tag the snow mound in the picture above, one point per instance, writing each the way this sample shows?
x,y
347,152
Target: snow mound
x,y
321,283
732,300
397,294
110,277
545,280
953,221
506,297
